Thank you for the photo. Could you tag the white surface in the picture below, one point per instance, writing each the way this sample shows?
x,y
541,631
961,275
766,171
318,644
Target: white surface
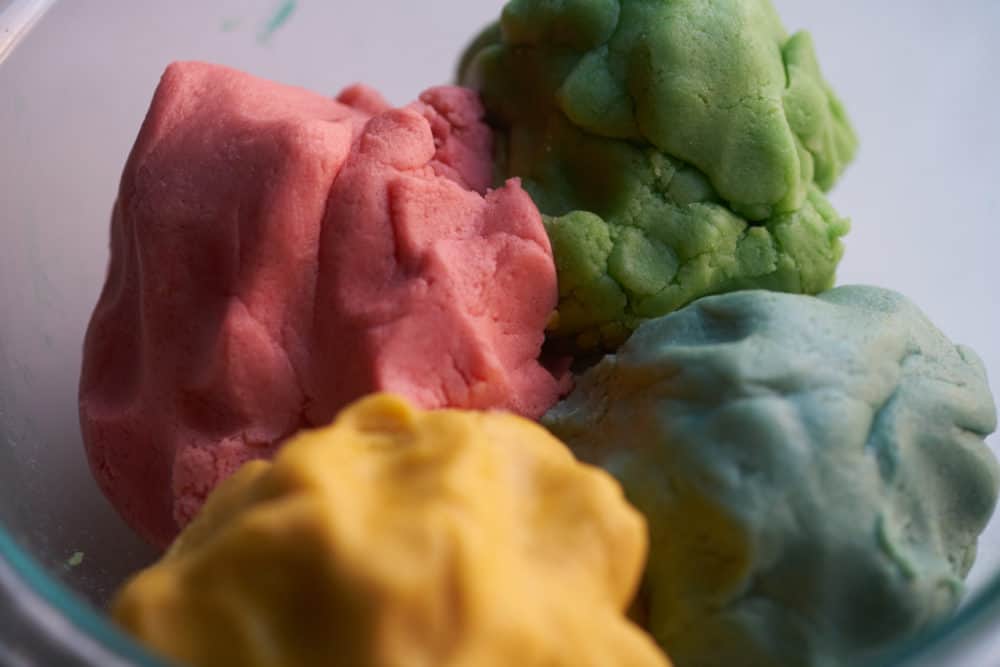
x,y
918,79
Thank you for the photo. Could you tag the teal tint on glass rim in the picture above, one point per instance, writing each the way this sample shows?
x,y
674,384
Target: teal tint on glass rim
x,y
45,624
922,194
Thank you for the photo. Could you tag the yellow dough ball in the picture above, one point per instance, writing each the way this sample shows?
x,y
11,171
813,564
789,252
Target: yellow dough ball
x,y
403,538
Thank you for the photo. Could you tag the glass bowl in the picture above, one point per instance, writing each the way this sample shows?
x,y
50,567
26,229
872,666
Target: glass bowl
x,y
918,82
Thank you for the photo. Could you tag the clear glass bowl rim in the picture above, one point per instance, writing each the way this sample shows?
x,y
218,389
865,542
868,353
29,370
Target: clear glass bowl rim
x,y
971,623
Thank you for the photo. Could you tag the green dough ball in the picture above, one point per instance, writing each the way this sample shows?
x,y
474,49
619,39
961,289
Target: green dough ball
x,y
813,471
660,115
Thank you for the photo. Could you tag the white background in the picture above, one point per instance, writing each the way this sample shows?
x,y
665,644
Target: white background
x,y
919,79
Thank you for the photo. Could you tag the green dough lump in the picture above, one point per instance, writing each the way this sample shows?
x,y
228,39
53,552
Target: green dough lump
x,y
677,147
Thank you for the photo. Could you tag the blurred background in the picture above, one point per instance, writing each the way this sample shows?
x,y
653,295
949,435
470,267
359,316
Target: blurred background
x,y
918,79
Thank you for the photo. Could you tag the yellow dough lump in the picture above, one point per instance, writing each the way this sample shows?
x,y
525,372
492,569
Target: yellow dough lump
x,y
399,537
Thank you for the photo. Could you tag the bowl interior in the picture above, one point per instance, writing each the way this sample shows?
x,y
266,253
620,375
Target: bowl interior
x,y
919,86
